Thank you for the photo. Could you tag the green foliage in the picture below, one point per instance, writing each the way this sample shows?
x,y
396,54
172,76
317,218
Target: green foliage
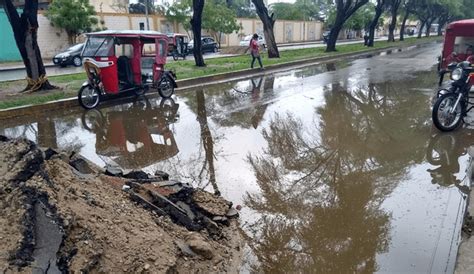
x,y
180,12
242,9
217,18
300,10
74,16
361,19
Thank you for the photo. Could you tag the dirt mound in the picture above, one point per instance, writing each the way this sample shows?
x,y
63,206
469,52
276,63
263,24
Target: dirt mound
x,y
61,218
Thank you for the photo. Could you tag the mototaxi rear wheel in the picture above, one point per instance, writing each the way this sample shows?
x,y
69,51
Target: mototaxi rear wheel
x,y
445,118
88,97
165,87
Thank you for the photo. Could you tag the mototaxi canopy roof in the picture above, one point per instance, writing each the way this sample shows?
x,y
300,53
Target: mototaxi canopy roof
x,y
461,28
128,33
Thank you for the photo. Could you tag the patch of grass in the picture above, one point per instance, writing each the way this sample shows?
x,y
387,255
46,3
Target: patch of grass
x,y
33,100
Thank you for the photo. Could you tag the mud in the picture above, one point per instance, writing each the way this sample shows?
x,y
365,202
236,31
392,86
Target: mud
x,y
56,219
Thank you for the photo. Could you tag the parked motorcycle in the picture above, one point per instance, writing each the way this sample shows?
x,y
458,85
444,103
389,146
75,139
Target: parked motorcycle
x,y
452,104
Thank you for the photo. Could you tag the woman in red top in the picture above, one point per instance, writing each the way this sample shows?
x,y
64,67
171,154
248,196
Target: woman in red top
x,y
254,51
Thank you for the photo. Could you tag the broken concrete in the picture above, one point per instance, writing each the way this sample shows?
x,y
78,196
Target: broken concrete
x,y
102,228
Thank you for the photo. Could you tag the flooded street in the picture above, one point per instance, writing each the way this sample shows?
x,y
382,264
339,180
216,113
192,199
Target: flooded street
x,y
337,166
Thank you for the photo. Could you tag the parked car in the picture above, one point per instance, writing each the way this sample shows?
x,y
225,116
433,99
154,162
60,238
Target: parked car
x,y
208,45
71,56
246,41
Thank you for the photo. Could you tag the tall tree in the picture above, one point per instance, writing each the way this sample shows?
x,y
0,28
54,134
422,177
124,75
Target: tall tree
x,y
268,24
74,16
379,8
407,7
394,6
344,10
196,24
25,30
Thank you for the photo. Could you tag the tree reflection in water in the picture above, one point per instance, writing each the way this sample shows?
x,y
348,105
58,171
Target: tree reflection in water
x,y
321,189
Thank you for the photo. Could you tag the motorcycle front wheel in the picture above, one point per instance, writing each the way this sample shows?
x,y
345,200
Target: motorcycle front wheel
x,y
166,88
445,118
88,97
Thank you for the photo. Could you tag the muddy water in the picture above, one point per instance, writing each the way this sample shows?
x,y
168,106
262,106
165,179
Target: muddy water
x,y
337,166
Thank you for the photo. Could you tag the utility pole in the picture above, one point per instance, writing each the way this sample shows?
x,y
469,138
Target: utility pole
x,y
146,15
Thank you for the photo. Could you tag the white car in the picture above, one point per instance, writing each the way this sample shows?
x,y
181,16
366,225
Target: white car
x,y
246,41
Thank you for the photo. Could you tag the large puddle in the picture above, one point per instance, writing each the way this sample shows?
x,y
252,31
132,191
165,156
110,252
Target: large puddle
x,y
337,166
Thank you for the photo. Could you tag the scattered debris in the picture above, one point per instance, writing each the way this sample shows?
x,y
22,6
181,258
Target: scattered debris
x,y
107,220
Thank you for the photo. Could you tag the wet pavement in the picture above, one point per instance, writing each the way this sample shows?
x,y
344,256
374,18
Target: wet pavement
x,y
337,166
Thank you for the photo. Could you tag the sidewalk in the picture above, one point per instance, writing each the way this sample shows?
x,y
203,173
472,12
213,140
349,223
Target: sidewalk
x,y
20,65
465,260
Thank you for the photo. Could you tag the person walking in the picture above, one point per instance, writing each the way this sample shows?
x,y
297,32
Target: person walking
x,y
255,51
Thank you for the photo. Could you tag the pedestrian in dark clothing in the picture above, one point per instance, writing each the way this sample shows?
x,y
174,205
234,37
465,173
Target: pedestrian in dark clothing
x,y
366,39
255,51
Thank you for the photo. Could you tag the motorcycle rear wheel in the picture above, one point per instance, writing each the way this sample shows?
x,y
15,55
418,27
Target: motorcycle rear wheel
x,y
442,117
88,97
166,88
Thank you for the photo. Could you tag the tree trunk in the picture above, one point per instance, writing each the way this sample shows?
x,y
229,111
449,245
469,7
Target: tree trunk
x,y
420,31
25,30
196,22
344,11
402,27
374,23
428,27
331,46
441,24
392,26
268,23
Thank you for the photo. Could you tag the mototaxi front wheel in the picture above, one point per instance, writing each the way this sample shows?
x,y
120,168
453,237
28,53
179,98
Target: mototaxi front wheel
x,y
444,116
166,87
88,97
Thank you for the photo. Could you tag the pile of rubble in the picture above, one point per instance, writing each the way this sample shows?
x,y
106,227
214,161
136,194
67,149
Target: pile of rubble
x,y
61,213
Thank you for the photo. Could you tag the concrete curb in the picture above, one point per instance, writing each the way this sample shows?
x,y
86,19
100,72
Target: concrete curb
x,y
203,81
19,67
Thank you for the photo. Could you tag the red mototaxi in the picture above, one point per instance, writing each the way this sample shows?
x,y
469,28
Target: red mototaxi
x,y
124,61
459,37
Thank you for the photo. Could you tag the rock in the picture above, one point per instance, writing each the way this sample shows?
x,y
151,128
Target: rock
x,y
146,267
136,174
232,213
199,245
81,165
113,171
49,152
221,219
185,249
125,187
163,175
